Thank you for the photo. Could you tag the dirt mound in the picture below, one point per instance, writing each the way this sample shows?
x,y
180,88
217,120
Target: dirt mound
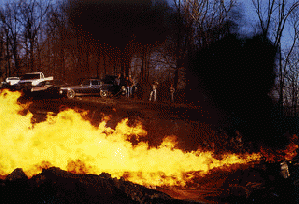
x,y
54,185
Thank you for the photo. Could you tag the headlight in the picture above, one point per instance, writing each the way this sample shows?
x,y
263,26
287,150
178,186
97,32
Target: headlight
x,y
61,91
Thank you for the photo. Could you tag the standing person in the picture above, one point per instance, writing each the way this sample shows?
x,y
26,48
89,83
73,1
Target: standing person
x,y
127,84
117,83
171,90
131,84
154,91
117,80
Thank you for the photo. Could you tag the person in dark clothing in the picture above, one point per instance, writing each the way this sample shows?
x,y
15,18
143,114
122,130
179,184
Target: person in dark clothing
x,y
117,84
131,84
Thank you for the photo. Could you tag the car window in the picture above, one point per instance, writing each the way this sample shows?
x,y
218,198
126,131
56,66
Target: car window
x,y
30,76
94,83
86,83
108,79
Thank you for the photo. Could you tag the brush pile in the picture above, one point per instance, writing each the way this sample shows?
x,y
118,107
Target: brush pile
x,y
54,185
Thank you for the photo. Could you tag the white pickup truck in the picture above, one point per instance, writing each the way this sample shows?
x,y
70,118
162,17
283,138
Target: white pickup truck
x,y
32,79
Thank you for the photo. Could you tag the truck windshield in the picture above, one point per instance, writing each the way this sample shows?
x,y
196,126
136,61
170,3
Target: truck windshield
x,y
30,76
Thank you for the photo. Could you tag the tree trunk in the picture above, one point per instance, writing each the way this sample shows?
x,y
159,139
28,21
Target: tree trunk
x,y
7,56
295,104
281,83
104,64
124,64
31,56
143,68
16,57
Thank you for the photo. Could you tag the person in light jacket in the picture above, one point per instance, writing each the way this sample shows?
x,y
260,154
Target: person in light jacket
x,y
153,93
171,91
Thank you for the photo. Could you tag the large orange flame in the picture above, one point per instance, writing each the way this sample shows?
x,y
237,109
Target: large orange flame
x,y
70,142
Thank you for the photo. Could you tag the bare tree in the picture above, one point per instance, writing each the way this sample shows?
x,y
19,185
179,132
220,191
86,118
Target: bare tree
x,y
5,51
291,63
210,19
291,89
196,24
120,23
2,52
71,54
273,15
32,18
11,24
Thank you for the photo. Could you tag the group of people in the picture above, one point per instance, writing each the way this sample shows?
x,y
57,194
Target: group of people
x,y
129,83
153,93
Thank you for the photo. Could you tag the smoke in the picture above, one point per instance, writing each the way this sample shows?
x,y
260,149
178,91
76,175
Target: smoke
x,y
236,75
115,22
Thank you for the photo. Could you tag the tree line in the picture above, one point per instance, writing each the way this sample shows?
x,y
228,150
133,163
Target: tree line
x,y
152,40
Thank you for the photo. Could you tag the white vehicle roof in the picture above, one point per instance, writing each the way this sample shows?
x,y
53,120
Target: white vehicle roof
x,y
33,72
13,78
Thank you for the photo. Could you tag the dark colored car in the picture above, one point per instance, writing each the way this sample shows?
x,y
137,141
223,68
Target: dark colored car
x,y
109,79
93,87
48,89
110,86
88,87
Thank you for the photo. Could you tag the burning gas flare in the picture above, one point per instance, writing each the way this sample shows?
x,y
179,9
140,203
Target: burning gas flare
x,y
70,142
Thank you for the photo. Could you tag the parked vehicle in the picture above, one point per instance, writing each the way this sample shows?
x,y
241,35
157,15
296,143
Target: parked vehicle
x,y
10,83
30,80
48,89
110,88
88,87
114,90
92,87
12,80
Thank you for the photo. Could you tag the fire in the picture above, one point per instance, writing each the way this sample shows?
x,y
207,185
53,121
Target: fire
x,y
70,142
288,153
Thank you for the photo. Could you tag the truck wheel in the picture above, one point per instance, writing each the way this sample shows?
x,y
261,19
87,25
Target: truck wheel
x,y
104,94
70,93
